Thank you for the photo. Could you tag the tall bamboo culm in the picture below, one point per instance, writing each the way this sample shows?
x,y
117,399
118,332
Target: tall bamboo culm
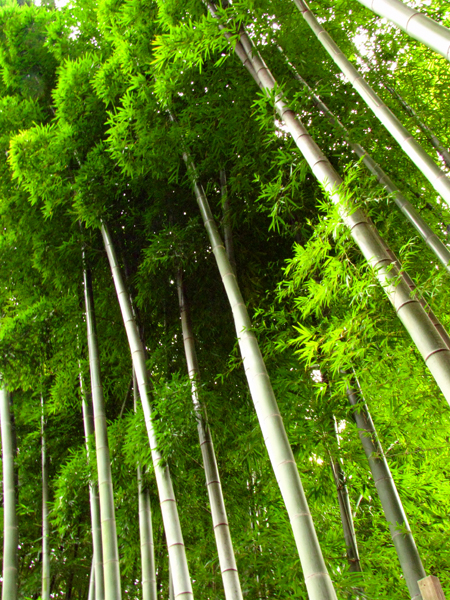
x,y
110,549
402,537
94,503
145,528
91,591
316,576
45,591
410,146
440,250
10,532
172,528
414,23
228,567
429,342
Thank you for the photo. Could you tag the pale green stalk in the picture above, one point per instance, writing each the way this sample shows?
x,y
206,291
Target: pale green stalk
x,y
410,146
45,592
91,593
420,225
105,487
93,502
145,529
428,340
10,532
411,21
402,537
227,562
172,528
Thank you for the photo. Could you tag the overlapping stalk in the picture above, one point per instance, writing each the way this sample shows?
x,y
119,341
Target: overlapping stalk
x,y
45,591
97,558
410,146
91,591
402,537
174,537
414,23
145,529
228,568
429,342
317,579
10,531
420,225
110,549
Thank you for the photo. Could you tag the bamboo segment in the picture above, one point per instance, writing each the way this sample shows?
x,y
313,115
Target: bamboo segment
x,y
228,568
317,579
411,21
107,511
428,340
91,592
10,532
172,528
145,529
411,147
420,225
402,537
97,558
45,592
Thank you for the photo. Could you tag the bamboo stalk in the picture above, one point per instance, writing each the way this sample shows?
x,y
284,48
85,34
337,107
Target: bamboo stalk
x,y
10,531
45,592
410,146
172,528
145,529
401,534
429,342
414,23
105,487
440,250
91,592
97,558
228,568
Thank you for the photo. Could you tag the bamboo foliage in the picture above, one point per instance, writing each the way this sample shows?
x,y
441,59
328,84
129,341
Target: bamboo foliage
x,y
97,558
149,591
45,592
401,534
420,225
414,23
226,211
172,528
105,487
429,342
410,146
10,531
227,561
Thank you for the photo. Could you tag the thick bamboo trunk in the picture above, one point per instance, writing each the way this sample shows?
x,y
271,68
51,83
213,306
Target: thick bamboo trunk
x,y
97,558
317,579
91,592
402,537
105,487
10,532
226,211
145,529
45,592
411,21
172,528
411,147
228,568
420,225
429,342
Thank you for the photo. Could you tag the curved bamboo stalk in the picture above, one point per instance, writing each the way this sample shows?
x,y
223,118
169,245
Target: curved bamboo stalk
x,y
45,591
172,528
10,531
97,558
441,251
410,146
228,568
145,528
401,534
414,23
105,487
429,342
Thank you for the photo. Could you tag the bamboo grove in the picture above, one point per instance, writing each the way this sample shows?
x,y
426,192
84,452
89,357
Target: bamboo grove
x,y
224,358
